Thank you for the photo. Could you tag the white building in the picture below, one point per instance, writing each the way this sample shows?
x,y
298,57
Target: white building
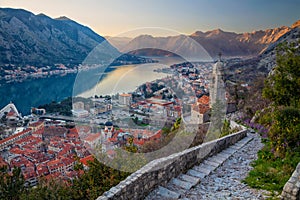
x,y
80,113
125,99
78,105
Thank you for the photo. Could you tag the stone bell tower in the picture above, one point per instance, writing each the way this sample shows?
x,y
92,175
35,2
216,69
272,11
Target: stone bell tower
x,y
217,86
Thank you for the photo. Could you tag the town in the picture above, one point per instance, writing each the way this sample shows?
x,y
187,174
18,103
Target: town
x,y
48,145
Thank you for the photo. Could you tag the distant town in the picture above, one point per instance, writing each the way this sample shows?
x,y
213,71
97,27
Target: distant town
x,y
12,73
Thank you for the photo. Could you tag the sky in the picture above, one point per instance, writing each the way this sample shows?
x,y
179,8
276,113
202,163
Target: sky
x,y
116,17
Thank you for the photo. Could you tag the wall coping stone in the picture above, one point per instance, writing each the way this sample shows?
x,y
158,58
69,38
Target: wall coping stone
x,y
291,189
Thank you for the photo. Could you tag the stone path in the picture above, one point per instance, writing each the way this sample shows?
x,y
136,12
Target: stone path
x,y
218,177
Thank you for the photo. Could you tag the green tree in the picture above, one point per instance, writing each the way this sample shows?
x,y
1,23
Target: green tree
x,y
11,185
280,155
217,117
98,179
226,128
282,87
285,131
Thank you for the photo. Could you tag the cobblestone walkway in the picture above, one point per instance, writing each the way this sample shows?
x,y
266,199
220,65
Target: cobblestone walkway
x,y
218,177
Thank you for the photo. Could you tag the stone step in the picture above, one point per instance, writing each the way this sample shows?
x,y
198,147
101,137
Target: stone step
x,y
203,169
241,143
211,163
191,179
245,140
224,155
195,173
208,166
229,150
235,147
218,159
166,193
177,187
182,184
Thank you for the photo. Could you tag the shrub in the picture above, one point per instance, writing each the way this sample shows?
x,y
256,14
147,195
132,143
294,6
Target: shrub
x,y
285,131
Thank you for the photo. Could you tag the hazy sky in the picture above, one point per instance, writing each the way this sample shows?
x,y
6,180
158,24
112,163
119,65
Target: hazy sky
x,y
112,17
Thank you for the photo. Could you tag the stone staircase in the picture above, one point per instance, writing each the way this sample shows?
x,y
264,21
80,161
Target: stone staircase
x,y
177,187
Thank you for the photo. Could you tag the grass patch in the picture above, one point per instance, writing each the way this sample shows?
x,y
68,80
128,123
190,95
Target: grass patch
x,y
270,172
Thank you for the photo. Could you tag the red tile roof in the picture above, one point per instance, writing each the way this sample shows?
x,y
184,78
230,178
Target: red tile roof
x,y
203,108
29,172
21,161
92,137
73,131
204,100
15,136
85,160
36,124
42,169
16,150
125,95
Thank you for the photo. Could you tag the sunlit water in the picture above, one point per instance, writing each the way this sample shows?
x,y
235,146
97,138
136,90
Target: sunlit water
x,y
125,79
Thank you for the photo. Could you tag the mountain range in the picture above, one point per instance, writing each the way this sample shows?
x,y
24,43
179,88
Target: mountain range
x,y
29,39
229,43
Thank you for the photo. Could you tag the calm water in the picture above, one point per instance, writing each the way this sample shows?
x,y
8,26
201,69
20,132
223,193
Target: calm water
x,y
124,79
35,92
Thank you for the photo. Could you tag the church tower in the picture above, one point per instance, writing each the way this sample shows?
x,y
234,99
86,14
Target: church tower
x,y
217,86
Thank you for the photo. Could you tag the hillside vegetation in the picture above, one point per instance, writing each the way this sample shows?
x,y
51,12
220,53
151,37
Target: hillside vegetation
x,y
279,123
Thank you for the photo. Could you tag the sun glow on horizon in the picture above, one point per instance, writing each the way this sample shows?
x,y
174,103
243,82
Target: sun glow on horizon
x,y
113,18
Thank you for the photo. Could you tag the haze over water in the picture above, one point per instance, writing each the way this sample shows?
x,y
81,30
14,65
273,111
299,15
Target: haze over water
x,y
126,79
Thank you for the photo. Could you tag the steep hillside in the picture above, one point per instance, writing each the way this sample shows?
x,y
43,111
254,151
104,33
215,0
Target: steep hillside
x,y
261,65
39,40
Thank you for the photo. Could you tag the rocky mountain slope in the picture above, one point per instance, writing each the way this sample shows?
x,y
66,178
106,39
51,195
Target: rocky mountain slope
x,y
119,42
249,69
28,39
229,43
243,44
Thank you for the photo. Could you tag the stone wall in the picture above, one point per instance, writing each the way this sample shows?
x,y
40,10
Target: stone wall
x,y
291,189
160,171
